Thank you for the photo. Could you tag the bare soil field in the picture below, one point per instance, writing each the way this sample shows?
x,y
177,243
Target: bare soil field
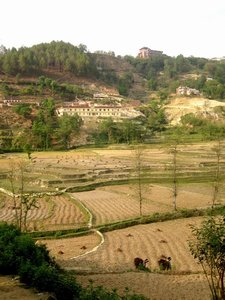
x,y
181,106
69,248
114,203
111,265
51,213
150,241
153,286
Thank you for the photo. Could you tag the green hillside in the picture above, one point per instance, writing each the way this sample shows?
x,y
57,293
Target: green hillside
x,y
35,81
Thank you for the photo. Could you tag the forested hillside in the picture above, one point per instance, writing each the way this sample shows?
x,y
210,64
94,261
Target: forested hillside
x,y
44,76
158,73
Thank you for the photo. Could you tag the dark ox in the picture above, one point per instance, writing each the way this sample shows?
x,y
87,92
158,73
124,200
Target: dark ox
x,y
164,263
139,262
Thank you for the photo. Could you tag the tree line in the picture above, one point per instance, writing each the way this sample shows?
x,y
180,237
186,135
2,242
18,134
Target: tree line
x,y
60,56
46,130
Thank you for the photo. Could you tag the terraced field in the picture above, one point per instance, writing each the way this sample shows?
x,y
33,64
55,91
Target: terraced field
x,y
114,203
111,265
65,214
66,249
51,213
54,171
111,258
150,241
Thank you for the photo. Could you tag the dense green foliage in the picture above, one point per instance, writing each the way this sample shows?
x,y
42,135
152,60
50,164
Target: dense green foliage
x,y
23,109
125,83
17,249
209,129
155,118
68,126
128,131
58,55
47,130
132,131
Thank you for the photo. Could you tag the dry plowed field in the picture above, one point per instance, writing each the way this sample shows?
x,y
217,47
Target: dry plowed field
x,y
113,265
115,203
52,212
147,241
72,247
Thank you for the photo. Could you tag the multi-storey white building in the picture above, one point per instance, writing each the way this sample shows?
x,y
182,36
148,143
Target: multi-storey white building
x,y
89,111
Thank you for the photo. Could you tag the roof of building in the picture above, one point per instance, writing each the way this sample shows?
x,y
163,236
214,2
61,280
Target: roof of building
x,y
144,48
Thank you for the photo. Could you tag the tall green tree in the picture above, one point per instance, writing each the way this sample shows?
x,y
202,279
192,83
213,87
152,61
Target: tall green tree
x,y
155,116
108,131
68,128
44,125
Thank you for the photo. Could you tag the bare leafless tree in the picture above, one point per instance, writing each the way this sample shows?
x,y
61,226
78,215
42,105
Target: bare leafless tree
x,y
23,201
175,141
139,173
174,151
217,178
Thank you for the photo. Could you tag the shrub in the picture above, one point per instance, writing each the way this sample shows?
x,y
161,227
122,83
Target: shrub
x,y
26,273
8,233
45,278
67,288
100,293
208,247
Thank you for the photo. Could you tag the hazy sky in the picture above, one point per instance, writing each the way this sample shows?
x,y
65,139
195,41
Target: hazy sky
x,y
188,27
